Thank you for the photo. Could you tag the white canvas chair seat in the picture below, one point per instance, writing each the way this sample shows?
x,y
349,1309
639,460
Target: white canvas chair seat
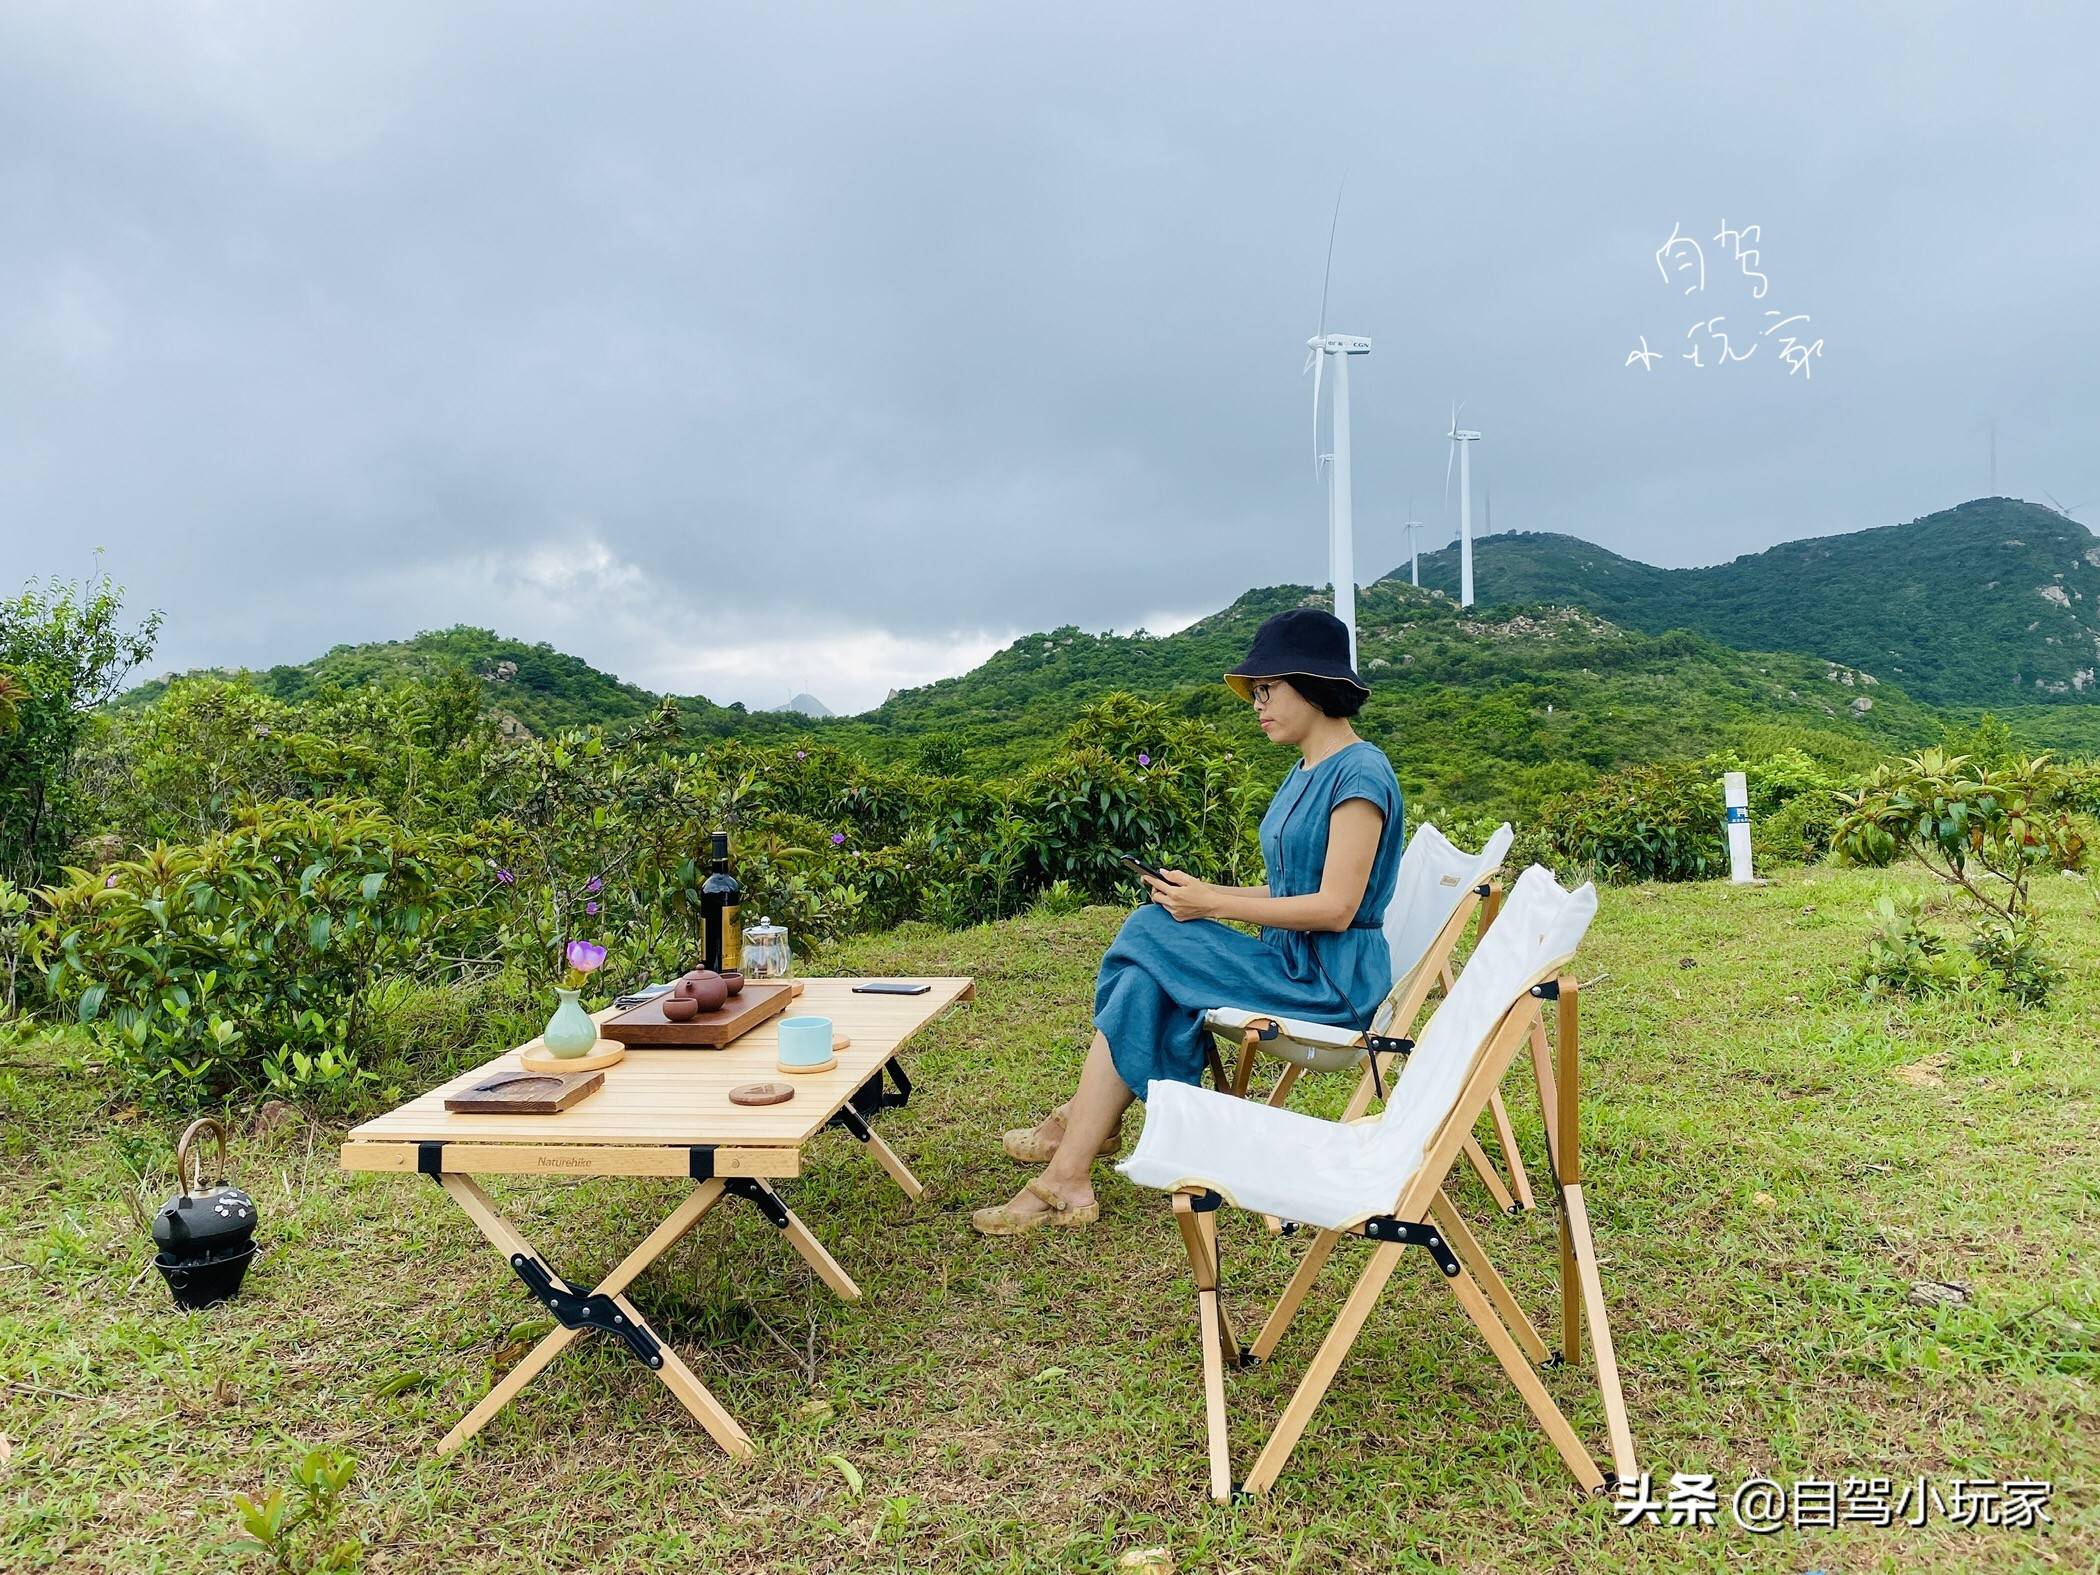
x,y
1263,1158
1323,1047
1382,1177
1435,881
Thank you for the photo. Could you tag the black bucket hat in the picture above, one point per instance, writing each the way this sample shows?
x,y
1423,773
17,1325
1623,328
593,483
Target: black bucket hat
x,y
1301,643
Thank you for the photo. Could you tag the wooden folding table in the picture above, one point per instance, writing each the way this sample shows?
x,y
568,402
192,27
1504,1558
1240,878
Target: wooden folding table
x,y
662,1113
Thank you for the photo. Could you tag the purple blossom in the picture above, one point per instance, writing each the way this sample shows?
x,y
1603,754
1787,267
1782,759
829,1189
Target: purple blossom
x,y
590,908
801,754
594,885
1144,759
584,957
109,883
504,877
837,837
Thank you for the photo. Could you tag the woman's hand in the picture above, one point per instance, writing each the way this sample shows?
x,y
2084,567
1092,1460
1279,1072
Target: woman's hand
x,y
1186,897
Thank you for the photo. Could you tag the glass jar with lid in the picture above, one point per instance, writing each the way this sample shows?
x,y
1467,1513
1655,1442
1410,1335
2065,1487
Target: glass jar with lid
x,y
766,953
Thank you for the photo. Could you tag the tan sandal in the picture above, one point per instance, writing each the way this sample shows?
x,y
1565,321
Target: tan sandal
x,y
1022,1143
1001,1220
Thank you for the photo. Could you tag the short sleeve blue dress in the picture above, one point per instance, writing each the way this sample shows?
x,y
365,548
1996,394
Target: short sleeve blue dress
x,y
1162,974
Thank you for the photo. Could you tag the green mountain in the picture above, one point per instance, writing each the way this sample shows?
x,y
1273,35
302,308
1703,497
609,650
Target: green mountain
x,y
1585,661
1994,603
544,689
1491,712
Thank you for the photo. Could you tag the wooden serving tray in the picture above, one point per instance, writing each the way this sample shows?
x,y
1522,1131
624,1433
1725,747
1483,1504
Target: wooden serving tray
x,y
525,1093
645,1027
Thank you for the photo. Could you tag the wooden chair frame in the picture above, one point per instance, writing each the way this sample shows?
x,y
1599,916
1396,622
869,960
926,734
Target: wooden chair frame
x,y
1423,1216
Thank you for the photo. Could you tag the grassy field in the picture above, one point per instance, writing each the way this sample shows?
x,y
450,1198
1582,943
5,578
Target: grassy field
x,y
1772,1164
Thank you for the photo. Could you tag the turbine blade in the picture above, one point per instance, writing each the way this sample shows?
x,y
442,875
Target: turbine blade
x,y
1319,372
1327,277
1450,454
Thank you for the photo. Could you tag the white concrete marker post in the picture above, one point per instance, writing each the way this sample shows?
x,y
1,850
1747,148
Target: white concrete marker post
x,y
1735,793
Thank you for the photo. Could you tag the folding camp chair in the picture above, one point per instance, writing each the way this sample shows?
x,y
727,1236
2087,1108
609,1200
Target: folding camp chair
x,y
1439,889
1382,1178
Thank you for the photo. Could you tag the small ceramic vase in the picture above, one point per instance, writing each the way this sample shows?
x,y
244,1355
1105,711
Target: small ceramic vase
x,y
570,1031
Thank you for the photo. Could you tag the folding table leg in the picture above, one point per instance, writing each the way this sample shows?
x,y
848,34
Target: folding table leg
x,y
665,1363
855,1122
886,1157
813,1253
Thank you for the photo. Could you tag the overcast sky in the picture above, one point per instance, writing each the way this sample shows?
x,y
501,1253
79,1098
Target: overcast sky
x,y
741,349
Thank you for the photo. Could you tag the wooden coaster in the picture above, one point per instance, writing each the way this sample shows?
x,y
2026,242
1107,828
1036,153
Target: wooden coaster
x,y
761,1094
608,1052
804,1071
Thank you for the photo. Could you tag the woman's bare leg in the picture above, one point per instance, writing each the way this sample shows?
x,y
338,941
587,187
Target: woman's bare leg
x,y
1102,1098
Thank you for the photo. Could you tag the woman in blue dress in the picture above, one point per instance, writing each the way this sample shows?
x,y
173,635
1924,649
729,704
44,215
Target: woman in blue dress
x,y
1331,841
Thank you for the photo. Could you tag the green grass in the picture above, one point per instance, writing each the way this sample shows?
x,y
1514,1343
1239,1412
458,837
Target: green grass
x,y
1765,1176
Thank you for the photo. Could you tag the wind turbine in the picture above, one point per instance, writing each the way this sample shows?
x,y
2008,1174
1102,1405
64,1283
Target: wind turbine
x,y
1341,529
2065,512
1414,551
1459,440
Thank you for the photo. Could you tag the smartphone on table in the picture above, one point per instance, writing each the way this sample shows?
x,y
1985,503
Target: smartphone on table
x,y
890,987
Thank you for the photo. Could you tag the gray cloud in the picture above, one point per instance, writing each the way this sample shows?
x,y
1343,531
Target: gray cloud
x,y
743,349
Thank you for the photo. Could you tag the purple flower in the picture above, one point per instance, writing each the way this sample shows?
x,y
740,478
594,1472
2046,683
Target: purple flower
x,y
590,908
837,837
504,877
109,883
801,754
594,885
584,957
1144,759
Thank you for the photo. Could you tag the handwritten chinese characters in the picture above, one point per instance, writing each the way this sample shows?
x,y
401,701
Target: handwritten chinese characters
x,y
1681,261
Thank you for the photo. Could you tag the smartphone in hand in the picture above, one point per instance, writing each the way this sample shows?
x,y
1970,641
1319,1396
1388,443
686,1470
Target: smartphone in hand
x,y
1139,864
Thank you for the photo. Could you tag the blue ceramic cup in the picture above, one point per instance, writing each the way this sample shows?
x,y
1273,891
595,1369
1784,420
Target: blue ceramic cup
x,y
805,1041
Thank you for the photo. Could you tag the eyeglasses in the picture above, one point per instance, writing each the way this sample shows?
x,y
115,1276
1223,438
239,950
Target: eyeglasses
x,y
1259,694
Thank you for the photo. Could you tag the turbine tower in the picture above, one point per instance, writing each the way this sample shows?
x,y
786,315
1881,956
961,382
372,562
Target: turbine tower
x,y
1459,440
1341,528
1414,551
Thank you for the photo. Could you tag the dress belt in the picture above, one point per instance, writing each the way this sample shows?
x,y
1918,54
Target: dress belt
x,y
1367,924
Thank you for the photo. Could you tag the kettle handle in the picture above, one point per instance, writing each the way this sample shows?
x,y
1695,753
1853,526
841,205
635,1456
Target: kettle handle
x,y
185,1159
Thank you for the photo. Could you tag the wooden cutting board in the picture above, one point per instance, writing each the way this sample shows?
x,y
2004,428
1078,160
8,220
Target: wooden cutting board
x,y
645,1027
525,1093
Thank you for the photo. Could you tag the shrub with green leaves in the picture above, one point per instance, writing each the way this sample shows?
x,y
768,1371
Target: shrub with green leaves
x,y
301,1532
1799,831
1904,956
1984,829
1661,822
243,961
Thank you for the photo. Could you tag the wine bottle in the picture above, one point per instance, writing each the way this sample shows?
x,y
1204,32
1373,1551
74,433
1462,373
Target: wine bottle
x,y
719,897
